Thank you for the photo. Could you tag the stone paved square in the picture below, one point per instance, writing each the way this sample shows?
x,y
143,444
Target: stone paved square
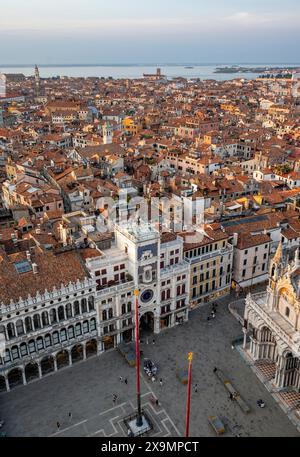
x,y
86,389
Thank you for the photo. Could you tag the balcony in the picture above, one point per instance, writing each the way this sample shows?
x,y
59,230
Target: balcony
x,y
209,255
114,289
174,269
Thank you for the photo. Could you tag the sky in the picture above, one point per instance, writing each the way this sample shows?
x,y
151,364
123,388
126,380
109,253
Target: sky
x,y
149,31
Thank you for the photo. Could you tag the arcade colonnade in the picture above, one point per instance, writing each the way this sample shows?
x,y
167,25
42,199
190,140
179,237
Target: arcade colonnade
x,y
266,345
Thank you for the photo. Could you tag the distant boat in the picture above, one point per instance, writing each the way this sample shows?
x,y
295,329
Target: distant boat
x,y
188,67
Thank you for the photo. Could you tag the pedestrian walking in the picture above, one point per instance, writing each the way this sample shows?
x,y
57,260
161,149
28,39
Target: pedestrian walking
x,y
215,369
153,379
160,382
58,425
231,397
157,402
147,341
196,388
70,416
129,433
153,341
121,378
114,398
126,381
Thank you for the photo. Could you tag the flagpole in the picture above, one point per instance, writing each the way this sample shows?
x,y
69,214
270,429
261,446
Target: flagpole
x,y
139,420
188,399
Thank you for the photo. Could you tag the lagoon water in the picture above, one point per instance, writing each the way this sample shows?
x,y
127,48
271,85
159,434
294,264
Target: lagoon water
x,y
136,71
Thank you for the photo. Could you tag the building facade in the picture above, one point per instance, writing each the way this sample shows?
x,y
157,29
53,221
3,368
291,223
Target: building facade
x,y
272,322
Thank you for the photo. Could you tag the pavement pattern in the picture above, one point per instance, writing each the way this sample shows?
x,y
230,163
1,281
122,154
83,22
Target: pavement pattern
x,y
86,389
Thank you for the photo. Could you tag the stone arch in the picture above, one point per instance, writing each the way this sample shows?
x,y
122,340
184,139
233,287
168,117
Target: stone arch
x,y
20,327
11,332
84,307
31,371
62,359
37,322
91,348
15,377
76,308
28,324
45,318
3,330
91,303
47,364
68,310
2,384
77,353
53,316
61,313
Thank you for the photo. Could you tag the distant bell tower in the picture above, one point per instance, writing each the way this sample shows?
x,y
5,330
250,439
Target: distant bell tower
x,y
37,81
107,133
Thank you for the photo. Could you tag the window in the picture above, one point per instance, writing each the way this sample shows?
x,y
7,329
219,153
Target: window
x,y
244,273
31,346
85,327
47,341
23,350
40,343
55,338
104,315
92,325
245,262
78,329
11,330
195,280
63,335
61,313
68,310
45,319
20,327
110,313
287,311
15,352
76,308
71,333
84,305
53,318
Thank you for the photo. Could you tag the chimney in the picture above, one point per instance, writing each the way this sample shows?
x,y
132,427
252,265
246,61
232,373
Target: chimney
x,y
34,268
28,256
38,229
235,239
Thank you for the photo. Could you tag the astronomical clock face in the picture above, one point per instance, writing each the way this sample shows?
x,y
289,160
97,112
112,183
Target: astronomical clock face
x,y
147,295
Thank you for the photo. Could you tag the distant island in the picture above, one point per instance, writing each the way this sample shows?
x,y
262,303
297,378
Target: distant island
x,y
259,70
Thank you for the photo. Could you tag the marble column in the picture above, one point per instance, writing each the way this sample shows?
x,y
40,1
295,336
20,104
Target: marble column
x,y
245,338
40,370
7,384
24,377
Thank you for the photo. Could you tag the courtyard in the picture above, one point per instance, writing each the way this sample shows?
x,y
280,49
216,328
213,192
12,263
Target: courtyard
x,y
86,389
